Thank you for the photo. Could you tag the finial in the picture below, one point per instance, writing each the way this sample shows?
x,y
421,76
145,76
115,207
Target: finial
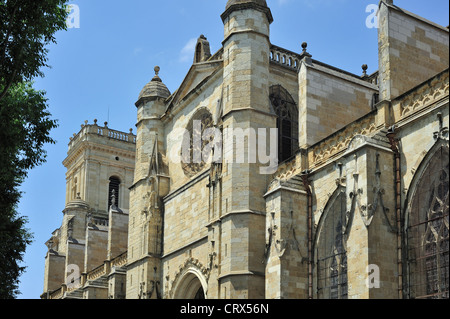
x,y
156,77
304,46
365,67
305,53
95,121
131,131
106,124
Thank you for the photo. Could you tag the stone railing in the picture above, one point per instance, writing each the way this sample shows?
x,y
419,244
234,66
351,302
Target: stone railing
x,y
217,56
289,168
284,57
57,294
421,96
120,260
339,141
102,131
121,136
319,153
106,267
99,221
96,273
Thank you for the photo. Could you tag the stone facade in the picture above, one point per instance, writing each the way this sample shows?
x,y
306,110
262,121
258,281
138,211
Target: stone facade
x,y
357,208
91,233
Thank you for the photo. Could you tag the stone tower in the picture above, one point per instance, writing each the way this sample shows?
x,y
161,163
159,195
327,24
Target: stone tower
x,y
245,108
100,166
150,184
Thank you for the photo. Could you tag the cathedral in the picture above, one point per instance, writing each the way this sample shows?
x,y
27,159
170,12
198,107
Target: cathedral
x,y
268,175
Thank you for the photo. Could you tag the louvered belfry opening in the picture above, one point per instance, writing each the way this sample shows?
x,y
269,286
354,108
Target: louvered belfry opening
x,y
113,191
331,258
427,231
287,121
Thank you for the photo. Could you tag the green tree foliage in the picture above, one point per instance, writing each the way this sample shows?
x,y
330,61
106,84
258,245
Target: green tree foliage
x,y
25,127
26,27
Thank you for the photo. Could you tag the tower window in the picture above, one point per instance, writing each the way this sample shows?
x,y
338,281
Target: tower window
x,y
287,121
113,192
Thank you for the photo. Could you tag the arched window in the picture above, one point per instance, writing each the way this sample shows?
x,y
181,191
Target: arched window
x,y
287,121
330,252
427,229
113,192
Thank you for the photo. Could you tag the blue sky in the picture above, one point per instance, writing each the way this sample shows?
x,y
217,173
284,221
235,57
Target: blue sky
x,y
99,69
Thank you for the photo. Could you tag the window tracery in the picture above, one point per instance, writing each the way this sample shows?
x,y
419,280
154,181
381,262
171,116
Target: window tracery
x,y
287,121
427,231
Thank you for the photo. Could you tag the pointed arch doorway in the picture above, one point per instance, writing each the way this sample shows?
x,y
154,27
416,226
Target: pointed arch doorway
x,y
191,286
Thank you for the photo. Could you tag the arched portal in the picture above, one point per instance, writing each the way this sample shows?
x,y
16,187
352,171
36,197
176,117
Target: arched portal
x,y
191,286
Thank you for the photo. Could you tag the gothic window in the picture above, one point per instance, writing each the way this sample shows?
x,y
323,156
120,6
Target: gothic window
x,y
427,230
192,160
113,191
287,121
331,254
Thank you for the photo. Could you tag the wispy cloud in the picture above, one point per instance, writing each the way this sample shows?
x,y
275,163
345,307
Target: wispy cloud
x,y
187,53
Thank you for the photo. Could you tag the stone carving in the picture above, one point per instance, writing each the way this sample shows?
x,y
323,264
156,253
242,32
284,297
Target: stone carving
x,y
425,95
442,134
341,140
281,245
290,242
190,262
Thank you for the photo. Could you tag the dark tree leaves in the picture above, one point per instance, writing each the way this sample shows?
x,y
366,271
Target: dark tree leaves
x,y
26,27
25,126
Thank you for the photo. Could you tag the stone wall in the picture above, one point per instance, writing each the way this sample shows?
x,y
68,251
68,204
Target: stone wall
x,y
411,50
329,100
